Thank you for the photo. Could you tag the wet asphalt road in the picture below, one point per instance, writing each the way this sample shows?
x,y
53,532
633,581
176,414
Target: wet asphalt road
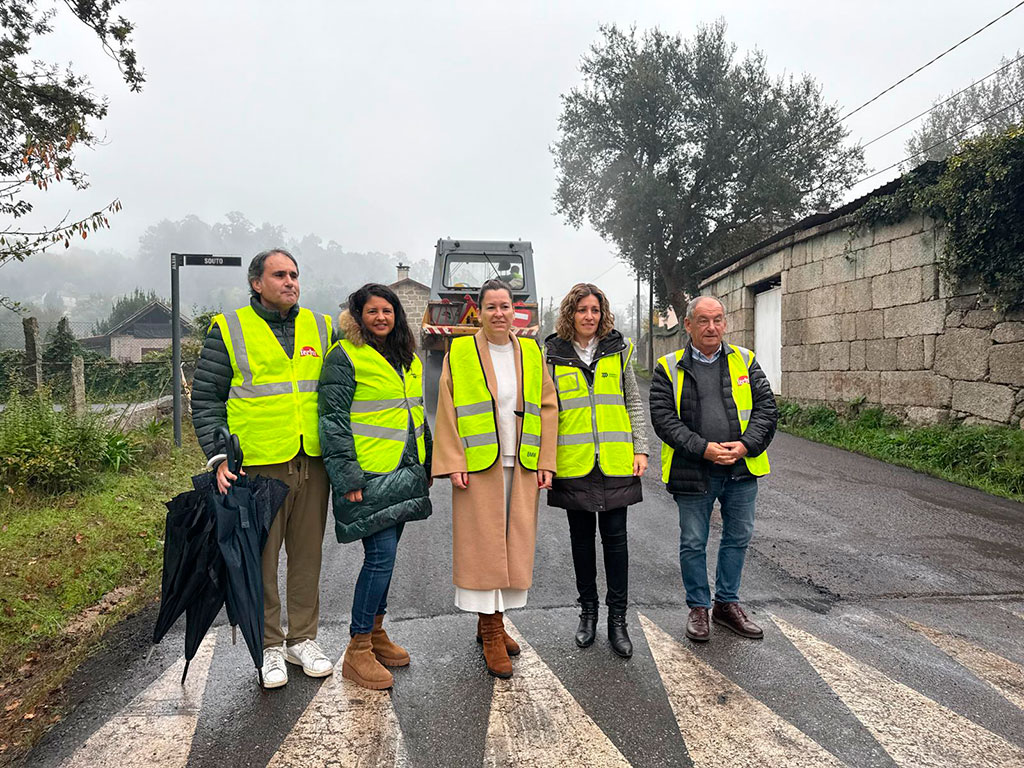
x,y
846,549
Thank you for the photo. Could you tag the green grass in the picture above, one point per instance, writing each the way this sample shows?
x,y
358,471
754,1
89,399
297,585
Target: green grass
x,y
60,555
988,458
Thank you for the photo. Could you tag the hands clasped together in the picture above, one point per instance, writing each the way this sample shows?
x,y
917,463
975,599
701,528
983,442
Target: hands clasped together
x,y
726,453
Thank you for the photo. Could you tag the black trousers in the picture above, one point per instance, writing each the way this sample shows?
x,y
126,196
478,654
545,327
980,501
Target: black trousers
x,y
616,555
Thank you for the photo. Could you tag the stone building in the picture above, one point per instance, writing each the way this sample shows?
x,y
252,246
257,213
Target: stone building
x,y
148,330
839,314
414,296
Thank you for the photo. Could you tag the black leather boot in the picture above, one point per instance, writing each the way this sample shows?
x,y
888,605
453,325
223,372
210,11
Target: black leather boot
x,y
618,636
587,630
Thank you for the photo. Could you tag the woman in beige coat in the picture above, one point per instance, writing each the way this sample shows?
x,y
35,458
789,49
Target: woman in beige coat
x,y
494,510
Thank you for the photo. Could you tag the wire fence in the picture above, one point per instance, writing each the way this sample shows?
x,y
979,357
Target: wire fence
x,y
123,370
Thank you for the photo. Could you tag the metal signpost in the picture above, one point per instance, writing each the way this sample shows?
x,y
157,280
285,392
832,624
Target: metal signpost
x,y
179,260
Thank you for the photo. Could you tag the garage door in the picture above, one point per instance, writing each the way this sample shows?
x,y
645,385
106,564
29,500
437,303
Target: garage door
x,y
768,335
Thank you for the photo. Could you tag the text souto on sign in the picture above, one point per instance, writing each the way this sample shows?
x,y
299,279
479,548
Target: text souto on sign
x,y
202,260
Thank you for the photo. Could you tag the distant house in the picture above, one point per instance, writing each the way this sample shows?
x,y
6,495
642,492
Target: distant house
x,y
148,330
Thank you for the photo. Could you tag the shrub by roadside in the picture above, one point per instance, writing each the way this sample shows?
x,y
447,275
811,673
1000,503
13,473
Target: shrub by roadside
x,y
51,451
74,562
988,458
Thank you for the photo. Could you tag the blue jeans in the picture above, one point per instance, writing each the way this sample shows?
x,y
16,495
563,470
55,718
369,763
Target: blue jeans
x,y
737,500
371,596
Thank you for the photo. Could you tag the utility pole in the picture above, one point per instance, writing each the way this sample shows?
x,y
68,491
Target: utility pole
x,y
639,334
650,336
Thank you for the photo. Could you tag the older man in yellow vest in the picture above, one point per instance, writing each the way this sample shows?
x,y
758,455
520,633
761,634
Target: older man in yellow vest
x,y
714,410
258,374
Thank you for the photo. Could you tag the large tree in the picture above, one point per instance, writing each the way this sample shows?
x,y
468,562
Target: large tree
x,y
47,113
990,106
680,150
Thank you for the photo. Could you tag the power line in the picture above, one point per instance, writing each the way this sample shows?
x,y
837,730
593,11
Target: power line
x,y
929,63
940,142
943,102
613,266
804,139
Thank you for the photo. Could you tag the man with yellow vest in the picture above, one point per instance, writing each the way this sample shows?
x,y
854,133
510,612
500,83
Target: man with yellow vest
x,y
258,374
713,408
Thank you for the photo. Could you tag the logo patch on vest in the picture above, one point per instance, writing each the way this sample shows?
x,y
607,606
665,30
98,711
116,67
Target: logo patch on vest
x,y
308,352
743,381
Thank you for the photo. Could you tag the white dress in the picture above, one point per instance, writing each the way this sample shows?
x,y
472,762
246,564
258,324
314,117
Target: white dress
x,y
502,356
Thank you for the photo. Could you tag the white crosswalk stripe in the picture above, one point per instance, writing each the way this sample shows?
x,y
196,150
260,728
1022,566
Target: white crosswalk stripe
x,y
536,722
721,723
344,725
914,729
1002,674
157,726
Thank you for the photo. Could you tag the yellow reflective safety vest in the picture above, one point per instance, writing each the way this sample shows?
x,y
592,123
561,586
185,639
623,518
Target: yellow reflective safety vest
x,y
739,372
272,401
383,406
476,411
592,418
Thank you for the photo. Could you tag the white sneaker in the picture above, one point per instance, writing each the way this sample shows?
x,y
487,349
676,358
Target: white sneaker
x,y
275,673
310,657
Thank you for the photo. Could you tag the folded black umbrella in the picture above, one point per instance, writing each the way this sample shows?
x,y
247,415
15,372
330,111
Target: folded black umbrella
x,y
212,555
190,532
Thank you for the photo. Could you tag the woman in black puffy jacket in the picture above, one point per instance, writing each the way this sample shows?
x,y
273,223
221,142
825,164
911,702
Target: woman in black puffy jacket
x,y
371,403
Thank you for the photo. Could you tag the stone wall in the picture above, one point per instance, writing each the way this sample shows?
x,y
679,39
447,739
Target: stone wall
x,y
869,317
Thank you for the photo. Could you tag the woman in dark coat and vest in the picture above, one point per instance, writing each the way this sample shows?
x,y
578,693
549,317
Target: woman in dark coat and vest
x,y
377,449
602,451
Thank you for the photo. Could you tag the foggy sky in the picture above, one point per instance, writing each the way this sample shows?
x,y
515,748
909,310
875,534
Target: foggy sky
x,y
386,125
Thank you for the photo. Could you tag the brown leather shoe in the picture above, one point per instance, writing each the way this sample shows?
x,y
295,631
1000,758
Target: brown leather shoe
x,y
732,616
697,628
361,666
388,653
492,632
511,646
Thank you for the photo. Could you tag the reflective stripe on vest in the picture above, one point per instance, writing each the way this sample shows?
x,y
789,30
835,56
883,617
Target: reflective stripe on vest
x,y
739,374
382,406
272,402
476,412
593,420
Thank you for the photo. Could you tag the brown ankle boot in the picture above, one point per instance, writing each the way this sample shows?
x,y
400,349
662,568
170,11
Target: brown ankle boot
x,y
511,646
361,666
388,653
492,631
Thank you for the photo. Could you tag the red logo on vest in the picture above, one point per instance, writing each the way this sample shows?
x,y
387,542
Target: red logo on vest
x,y
743,381
308,352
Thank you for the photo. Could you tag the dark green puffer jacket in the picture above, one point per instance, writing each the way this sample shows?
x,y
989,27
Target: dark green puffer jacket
x,y
212,382
397,497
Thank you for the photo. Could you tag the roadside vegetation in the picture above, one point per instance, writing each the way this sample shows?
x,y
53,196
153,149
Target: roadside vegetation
x,y
990,459
81,530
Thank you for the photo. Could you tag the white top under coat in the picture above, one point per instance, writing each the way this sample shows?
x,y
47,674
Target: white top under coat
x,y
586,353
504,362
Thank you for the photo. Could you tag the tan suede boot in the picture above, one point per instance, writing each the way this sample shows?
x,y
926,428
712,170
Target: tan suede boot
x,y
492,632
361,666
511,646
388,653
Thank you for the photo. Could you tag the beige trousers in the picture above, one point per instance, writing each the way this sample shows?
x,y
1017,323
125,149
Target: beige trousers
x,y
299,525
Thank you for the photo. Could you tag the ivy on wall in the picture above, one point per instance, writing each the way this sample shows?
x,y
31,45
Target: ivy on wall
x,y
979,194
